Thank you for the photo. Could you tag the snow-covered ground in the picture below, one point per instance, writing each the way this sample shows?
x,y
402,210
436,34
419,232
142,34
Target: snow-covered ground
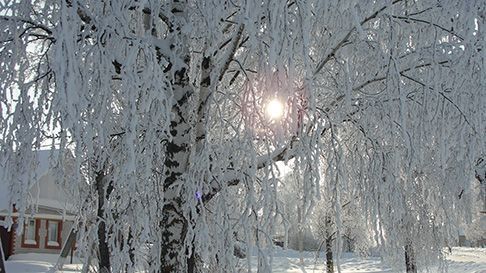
x,y
462,260
37,263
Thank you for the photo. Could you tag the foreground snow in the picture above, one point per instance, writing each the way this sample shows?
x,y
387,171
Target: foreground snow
x,y
462,260
37,263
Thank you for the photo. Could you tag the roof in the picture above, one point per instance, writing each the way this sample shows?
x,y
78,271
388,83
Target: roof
x,y
3,195
44,192
4,192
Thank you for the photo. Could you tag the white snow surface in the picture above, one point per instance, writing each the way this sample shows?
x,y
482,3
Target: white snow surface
x,y
462,260
38,263
3,195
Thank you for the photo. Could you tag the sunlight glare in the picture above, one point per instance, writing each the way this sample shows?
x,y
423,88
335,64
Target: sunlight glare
x,y
274,109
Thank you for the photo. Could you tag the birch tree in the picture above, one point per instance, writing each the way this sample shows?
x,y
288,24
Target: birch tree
x,y
163,104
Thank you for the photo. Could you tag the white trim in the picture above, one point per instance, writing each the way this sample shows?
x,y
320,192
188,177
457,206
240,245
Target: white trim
x,y
43,216
30,242
52,243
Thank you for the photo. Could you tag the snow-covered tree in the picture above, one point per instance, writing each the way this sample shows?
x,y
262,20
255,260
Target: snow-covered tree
x,y
165,105
296,213
349,223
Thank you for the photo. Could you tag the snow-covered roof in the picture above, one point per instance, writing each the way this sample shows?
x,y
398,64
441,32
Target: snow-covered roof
x,y
44,192
3,194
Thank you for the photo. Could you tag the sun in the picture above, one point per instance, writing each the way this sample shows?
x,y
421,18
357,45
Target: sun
x,y
274,109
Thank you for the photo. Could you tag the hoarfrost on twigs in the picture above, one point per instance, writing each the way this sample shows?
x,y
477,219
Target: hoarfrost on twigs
x,y
162,105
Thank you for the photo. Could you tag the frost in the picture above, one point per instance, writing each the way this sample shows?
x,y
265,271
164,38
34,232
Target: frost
x,y
162,105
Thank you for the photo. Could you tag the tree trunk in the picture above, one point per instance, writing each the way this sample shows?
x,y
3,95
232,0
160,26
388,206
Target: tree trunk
x,y
131,254
68,246
300,236
329,240
174,255
410,262
173,236
103,249
174,225
131,250
191,262
2,264
329,254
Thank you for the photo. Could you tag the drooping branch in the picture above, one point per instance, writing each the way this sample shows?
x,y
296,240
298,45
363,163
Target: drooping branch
x,y
409,18
480,170
233,177
344,40
445,97
230,53
382,78
27,21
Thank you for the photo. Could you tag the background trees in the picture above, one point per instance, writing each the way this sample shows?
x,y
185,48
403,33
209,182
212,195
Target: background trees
x,y
162,103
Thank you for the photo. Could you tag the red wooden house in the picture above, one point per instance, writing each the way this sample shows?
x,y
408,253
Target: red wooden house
x,y
49,221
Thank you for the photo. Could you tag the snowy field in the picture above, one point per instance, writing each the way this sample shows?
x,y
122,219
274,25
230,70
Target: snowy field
x,y
462,260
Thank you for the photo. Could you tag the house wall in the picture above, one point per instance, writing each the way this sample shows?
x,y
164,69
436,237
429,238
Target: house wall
x,y
6,238
65,229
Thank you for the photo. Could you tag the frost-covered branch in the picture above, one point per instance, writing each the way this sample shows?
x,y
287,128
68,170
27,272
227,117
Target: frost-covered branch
x,y
409,19
344,40
171,100
30,22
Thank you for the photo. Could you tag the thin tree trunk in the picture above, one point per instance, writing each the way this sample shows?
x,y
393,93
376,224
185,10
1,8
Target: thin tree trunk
x,y
410,262
103,249
300,236
329,256
2,258
191,262
131,254
329,240
68,246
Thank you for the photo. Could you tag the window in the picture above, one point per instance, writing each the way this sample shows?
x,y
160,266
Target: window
x,y
53,230
30,232
53,236
30,236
